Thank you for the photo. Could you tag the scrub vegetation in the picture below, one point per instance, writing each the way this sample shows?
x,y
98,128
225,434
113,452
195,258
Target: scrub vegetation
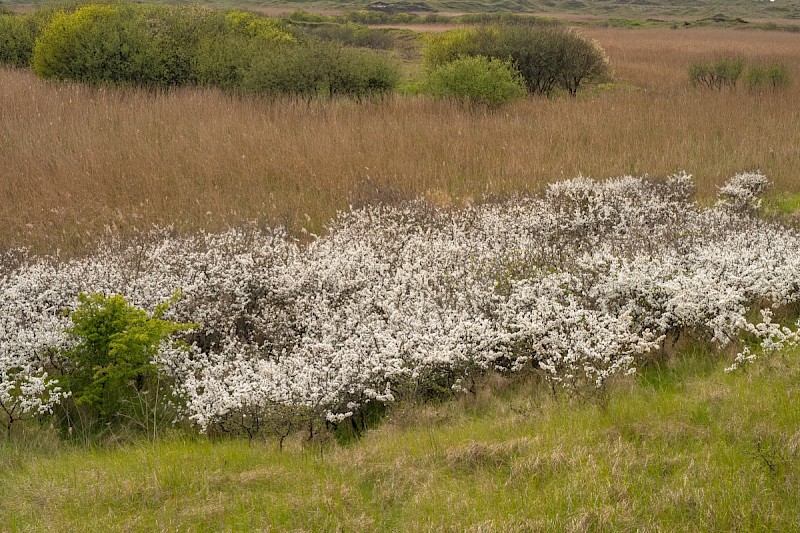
x,y
306,272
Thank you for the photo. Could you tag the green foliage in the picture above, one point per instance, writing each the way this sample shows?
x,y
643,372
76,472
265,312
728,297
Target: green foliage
x,y
318,69
101,44
112,361
351,34
221,62
725,72
147,44
441,48
477,80
774,76
160,46
249,25
547,57
18,35
721,73
694,450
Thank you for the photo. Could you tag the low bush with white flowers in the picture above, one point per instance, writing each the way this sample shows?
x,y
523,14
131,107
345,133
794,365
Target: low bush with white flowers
x,y
578,285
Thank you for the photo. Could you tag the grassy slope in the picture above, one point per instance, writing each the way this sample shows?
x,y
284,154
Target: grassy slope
x,y
614,8
686,448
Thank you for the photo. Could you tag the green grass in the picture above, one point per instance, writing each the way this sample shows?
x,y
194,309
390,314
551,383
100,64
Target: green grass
x,y
788,203
682,447
784,206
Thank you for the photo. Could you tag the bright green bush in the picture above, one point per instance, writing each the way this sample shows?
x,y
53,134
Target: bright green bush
x,y
477,80
249,25
441,48
158,45
150,45
778,76
721,73
358,73
111,367
101,44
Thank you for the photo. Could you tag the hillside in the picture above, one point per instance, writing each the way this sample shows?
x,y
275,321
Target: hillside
x,y
669,9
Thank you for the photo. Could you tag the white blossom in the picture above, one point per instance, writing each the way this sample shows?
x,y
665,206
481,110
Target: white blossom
x,y
577,284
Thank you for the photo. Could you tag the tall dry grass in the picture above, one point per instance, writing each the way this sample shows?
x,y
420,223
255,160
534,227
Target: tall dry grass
x,y
77,160
657,58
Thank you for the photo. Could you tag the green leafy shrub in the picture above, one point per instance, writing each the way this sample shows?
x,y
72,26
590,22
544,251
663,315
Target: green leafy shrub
x,y
441,48
478,80
18,35
157,45
775,76
547,57
250,25
778,76
725,72
111,370
149,45
318,69
101,44
221,62
351,34
756,76
721,73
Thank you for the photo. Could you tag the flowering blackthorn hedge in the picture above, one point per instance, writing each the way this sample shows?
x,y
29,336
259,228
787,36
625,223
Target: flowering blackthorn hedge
x,y
577,284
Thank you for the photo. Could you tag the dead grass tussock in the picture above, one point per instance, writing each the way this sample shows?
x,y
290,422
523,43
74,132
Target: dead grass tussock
x,y
477,455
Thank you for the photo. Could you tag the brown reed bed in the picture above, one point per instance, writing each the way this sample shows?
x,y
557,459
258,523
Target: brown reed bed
x,y
80,161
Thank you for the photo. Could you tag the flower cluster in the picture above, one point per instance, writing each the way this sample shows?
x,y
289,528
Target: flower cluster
x,y
577,284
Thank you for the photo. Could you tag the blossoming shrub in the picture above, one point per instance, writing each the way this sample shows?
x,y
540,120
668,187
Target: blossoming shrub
x,y
576,285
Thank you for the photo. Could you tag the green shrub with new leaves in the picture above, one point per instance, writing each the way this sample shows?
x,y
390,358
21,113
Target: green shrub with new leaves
x,y
441,48
775,76
102,44
718,74
725,73
111,367
318,68
18,33
162,46
547,57
476,80
148,44
249,25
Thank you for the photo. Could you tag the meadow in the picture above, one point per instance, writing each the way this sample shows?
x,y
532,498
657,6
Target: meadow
x,y
683,448
78,160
